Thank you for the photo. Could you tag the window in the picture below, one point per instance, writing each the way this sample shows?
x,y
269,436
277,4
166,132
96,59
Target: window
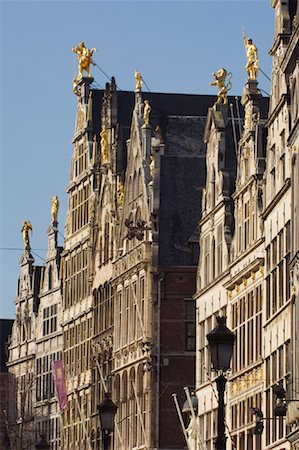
x,y
44,376
50,277
219,250
50,320
79,207
106,239
190,325
246,226
76,286
207,259
247,326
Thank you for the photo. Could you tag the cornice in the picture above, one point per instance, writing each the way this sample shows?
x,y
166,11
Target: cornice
x,y
255,264
226,200
276,110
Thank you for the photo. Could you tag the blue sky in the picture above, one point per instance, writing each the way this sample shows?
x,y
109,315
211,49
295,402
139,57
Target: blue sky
x,y
175,45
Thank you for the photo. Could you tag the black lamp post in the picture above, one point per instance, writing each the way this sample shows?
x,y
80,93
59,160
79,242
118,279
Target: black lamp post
x,y
43,444
221,342
107,410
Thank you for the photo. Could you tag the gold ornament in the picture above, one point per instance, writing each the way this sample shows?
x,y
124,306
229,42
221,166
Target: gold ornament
x,y
84,58
138,79
220,78
252,66
104,146
55,207
25,231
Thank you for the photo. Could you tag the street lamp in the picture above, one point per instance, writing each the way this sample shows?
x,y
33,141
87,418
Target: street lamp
x,y
221,341
107,411
43,444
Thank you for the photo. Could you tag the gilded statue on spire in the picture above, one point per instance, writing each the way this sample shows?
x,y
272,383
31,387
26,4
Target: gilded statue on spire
x,y
104,146
138,79
55,208
85,59
146,112
25,231
252,66
220,78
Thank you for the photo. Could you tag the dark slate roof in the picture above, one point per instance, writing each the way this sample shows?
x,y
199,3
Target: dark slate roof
x,y
5,332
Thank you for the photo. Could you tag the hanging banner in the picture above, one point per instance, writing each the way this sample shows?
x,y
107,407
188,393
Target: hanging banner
x,y
60,384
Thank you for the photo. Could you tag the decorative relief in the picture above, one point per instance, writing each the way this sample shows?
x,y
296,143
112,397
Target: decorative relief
x,y
80,118
248,381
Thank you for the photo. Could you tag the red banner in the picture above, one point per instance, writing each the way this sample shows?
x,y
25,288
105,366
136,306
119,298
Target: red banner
x,y
60,384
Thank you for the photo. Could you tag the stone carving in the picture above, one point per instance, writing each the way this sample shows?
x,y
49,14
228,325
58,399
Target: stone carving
x,y
146,112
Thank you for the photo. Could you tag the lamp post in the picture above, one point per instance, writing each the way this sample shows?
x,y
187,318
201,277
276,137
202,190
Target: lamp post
x,y
107,411
221,341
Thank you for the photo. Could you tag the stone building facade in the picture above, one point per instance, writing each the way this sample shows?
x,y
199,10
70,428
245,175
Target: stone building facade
x,y
115,303
254,289
36,341
5,332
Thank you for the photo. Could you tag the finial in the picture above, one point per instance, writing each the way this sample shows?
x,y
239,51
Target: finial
x,y
55,208
138,79
220,78
25,231
146,112
104,146
252,66
84,58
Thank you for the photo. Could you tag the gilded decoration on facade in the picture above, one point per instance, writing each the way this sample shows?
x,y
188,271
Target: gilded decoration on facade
x,y
252,66
104,146
146,112
55,208
120,194
220,82
84,58
25,232
138,79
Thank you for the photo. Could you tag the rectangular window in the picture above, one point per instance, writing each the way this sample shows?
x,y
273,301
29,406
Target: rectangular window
x,y
246,226
207,250
50,319
219,250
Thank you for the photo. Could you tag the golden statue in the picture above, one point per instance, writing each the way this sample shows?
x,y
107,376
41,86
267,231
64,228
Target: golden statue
x,y
138,79
85,58
252,66
120,194
220,78
104,146
25,231
146,112
55,207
